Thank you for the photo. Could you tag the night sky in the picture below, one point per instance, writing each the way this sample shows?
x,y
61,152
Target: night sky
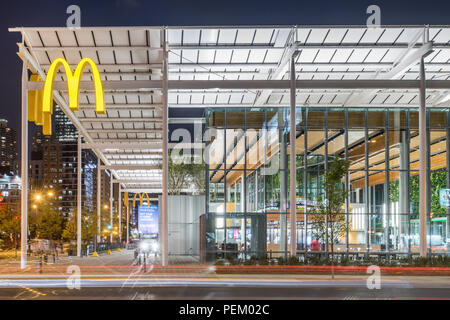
x,y
192,12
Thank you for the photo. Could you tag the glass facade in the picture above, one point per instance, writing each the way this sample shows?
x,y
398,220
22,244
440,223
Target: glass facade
x,y
247,155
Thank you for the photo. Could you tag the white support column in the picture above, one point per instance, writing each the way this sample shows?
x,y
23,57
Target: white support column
x,y
165,163
111,205
99,201
293,165
24,170
119,201
423,147
79,160
128,222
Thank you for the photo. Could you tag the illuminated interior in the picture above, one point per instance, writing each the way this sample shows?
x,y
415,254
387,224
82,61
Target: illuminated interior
x,y
248,177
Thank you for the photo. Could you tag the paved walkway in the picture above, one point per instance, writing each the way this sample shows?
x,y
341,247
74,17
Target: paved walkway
x,y
116,258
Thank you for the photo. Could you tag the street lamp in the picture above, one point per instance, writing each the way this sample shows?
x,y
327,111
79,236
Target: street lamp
x,y
37,197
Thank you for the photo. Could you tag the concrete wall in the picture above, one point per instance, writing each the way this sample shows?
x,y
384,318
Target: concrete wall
x,y
184,213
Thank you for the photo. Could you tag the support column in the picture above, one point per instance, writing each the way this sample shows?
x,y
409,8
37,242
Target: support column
x,y
305,181
347,188
79,196
111,205
403,199
293,167
24,171
128,222
366,184
99,201
165,158
327,235
387,203
120,213
283,185
447,224
423,150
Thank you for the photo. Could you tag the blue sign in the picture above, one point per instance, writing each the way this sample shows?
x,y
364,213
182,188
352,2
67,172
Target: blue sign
x,y
148,219
444,198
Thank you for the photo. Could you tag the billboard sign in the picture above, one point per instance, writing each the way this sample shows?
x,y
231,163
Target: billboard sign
x,y
148,219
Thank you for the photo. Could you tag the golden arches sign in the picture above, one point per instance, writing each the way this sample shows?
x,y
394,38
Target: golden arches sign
x,y
40,102
141,198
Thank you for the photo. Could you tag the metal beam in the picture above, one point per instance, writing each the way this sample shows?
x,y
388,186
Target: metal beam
x,y
279,72
119,66
139,190
283,105
293,161
253,66
146,155
94,48
124,131
259,84
128,220
24,170
111,206
118,119
130,167
123,106
123,146
186,120
300,68
423,165
107,85
131,141
120,214
79,195
99,202
395,72
141,181
165,161
301,46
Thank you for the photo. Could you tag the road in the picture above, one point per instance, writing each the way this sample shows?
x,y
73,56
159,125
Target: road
x,y
226,287
114,277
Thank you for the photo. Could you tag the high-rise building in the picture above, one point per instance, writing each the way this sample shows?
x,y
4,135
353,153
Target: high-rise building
x,y
64,130
8,149
10,192
54,167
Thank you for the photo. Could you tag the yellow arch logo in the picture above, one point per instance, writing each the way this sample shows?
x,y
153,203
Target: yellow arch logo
x,y
141,198
40,102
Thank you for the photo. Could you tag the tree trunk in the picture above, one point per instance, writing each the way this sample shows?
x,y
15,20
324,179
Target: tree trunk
x,y
332,252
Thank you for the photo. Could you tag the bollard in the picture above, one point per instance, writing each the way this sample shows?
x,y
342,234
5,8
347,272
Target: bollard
x,y
53,258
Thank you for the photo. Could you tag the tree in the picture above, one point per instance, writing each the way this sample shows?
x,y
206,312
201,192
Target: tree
x,y
88,227
328,219
10,223
186,175
50,225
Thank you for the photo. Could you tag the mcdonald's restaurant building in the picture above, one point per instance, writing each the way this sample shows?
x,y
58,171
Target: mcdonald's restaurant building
x,y
248,178
278,105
